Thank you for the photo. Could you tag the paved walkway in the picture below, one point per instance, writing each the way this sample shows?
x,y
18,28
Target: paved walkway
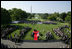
x,y
11,44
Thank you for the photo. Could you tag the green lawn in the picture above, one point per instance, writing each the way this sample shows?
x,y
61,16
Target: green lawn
x,y
43,28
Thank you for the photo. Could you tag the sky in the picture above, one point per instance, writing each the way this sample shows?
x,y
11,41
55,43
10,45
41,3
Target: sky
x,y
38,6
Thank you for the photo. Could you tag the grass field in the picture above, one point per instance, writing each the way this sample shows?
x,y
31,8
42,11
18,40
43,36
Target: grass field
x,y
43,28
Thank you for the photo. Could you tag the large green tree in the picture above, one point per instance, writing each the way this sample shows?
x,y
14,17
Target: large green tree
x,y
5,17
68,18
18,14
53,16
63,15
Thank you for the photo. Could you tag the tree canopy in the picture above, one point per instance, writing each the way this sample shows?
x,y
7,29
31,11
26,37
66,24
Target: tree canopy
x,y
5,17
17,14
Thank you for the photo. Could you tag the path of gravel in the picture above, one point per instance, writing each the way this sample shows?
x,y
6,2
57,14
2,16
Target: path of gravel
x,y
11,44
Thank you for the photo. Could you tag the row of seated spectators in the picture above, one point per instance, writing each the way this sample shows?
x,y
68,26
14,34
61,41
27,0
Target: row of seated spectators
x,y
8,30
58,32
18,38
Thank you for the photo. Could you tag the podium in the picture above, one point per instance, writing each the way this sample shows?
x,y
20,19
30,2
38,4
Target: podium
x,y
35,37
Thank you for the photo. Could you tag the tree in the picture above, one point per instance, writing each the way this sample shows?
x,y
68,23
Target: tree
x,y
56,14
29,15
59,19
63,15
32,15
18,14
68,18
44,16
69,13
5,17
52,18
